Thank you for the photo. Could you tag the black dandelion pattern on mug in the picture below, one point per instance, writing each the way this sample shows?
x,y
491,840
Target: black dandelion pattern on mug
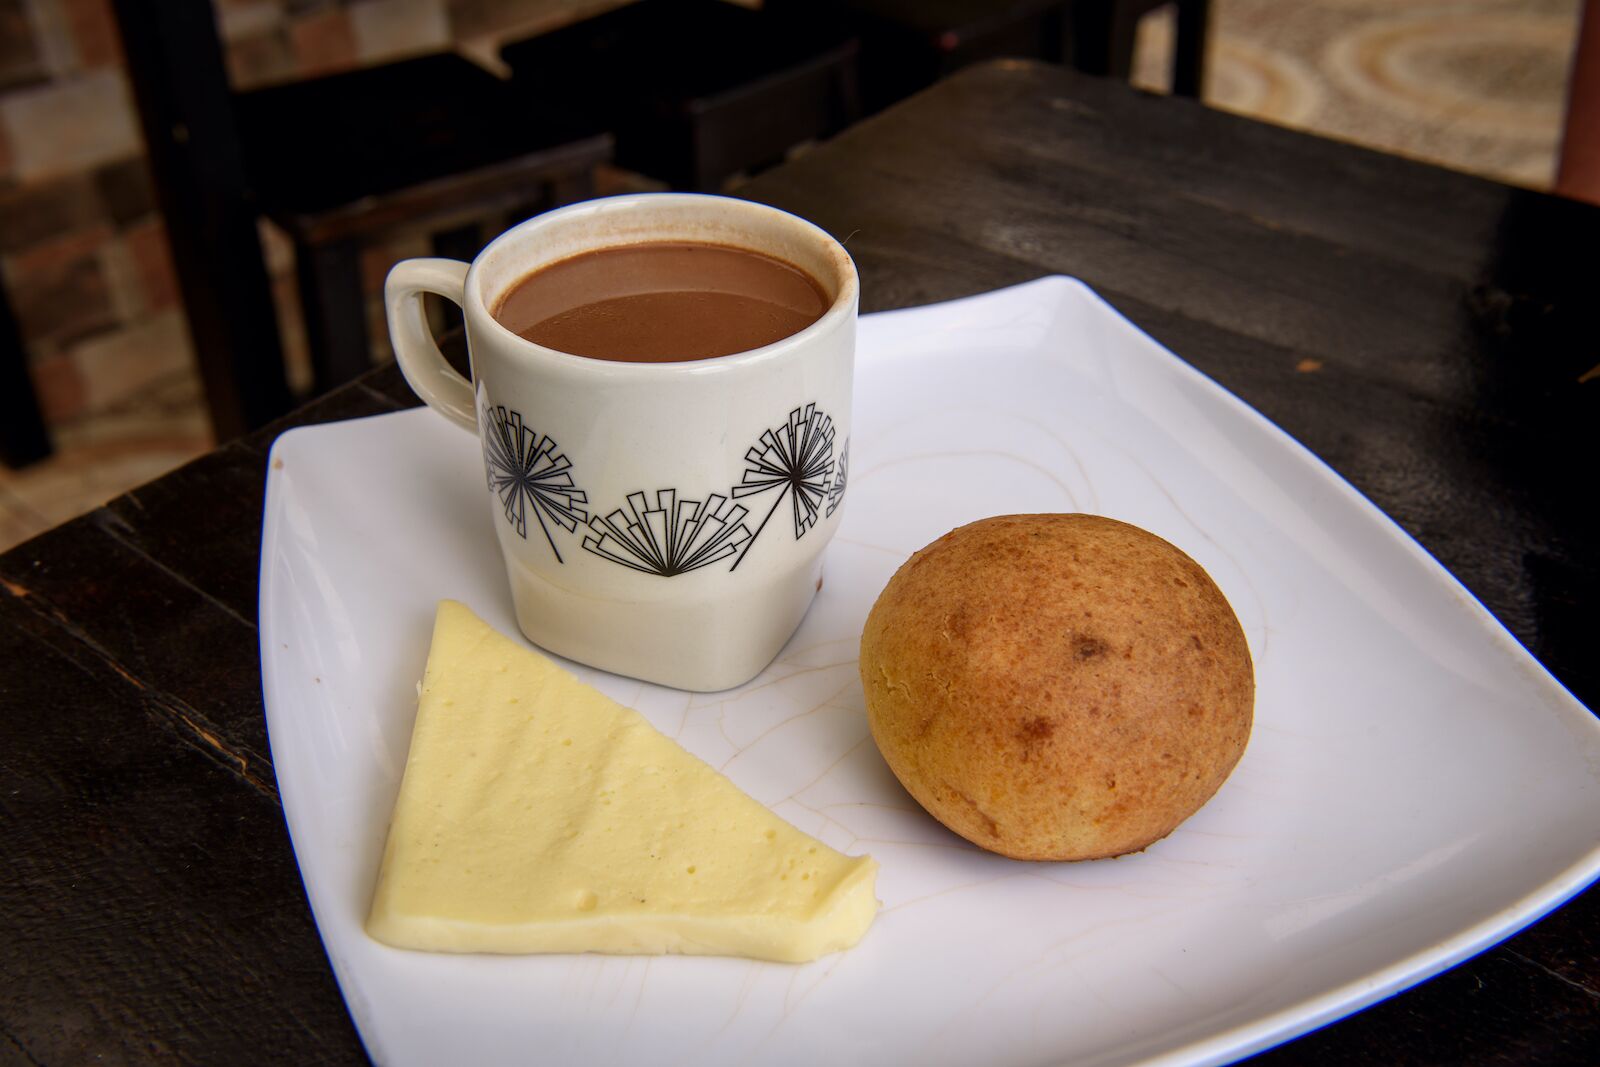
x,y
527,473
674,537
840,476
796,459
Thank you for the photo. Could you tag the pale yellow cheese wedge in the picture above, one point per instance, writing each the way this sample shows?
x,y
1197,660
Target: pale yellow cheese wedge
x,y
538,815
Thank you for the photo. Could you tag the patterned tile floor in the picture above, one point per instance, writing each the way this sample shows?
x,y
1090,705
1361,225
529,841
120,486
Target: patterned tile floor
x,y
1478,85
160,427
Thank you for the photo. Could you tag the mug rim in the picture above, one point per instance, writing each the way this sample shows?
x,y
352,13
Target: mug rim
x,y
842,307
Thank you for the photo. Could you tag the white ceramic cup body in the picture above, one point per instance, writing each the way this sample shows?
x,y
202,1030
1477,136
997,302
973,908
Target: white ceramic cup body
x,y
661,520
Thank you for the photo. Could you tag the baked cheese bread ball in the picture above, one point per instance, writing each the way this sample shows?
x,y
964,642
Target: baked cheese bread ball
x,y
1057,687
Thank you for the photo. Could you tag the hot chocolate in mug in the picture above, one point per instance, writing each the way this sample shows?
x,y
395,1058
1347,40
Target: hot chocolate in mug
x,y
662,520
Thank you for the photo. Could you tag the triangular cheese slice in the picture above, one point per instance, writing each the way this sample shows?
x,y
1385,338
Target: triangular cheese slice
x,y
538,815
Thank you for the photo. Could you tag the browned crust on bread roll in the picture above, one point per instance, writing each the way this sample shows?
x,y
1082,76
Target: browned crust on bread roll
x,y
1057,687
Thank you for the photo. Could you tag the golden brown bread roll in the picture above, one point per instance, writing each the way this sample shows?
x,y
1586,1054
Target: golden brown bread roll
x,y
1057,687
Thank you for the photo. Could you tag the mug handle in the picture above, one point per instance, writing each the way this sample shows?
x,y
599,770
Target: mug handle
x,y
424,366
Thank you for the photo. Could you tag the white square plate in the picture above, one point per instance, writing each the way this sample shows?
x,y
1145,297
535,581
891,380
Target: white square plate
x,y
1417,786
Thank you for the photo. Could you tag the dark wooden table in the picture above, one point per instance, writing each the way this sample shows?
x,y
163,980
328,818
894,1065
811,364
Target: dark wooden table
x,y
1430,335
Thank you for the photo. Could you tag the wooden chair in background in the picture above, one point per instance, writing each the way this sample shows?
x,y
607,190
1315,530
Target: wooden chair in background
x,y
694,91
433,143
697,90
337,161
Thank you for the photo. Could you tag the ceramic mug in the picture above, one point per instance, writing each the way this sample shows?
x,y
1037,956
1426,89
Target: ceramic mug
x,y
661,520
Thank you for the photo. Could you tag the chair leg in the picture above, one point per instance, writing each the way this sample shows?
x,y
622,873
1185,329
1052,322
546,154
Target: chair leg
x,y
463,243
175,66
1578,173
1103,36
335,311
23,438
1189,48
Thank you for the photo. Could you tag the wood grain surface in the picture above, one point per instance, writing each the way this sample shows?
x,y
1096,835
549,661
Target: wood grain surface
x,y
1426,333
